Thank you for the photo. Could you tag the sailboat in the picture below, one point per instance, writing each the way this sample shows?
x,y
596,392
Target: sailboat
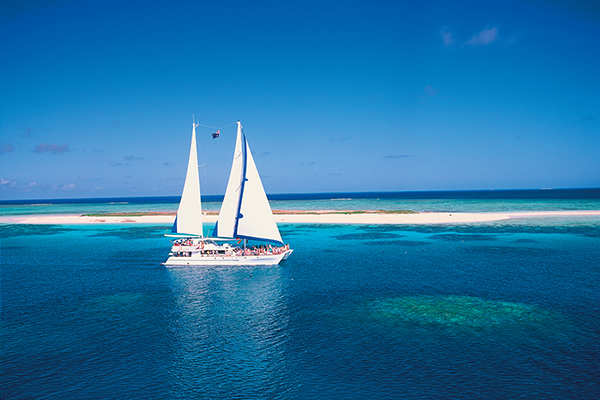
x,y
245,215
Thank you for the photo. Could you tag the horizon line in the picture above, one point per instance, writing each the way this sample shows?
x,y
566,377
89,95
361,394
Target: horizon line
x,y
313,195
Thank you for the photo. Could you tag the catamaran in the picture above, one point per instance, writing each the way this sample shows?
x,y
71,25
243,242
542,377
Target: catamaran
x,y
245,215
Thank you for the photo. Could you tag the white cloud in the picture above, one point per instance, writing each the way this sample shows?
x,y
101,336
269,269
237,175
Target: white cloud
x,y
6,148
30,187
485,36
398,156
63,187
447,37
429,91
51,148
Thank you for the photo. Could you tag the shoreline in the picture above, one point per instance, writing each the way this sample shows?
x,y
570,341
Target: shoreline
x,y
304,217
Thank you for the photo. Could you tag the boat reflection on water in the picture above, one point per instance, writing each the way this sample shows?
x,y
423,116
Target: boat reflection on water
x,y
229,332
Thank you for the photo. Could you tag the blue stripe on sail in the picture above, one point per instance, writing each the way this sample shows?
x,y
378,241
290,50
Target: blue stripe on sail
x,y
242,185
174,228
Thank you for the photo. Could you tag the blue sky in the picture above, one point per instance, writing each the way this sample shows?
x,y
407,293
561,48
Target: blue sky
x,y
97,96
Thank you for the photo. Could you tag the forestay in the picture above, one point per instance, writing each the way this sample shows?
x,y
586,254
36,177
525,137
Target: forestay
x,y
226,222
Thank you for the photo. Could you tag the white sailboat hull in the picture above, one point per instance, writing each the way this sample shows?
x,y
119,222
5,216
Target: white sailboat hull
x,y
198,259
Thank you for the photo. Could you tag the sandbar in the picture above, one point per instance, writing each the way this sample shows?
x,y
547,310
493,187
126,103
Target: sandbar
x,y
305,217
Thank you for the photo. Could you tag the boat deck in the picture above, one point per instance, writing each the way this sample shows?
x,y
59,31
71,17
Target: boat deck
x,y
203,259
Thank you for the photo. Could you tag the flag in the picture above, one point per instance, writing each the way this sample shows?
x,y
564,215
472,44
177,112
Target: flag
x,y
216,134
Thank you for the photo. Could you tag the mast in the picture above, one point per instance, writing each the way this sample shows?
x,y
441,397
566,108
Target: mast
x,y
242,180
228,216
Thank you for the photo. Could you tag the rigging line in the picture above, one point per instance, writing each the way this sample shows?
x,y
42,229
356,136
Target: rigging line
x,y
203,165
208,126
217,128
228,125
222,163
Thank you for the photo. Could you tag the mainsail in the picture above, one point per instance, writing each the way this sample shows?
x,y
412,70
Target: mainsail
x,y
189,214
245,212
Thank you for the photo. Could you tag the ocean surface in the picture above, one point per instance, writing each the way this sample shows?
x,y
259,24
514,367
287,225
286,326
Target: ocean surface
x,y
502,310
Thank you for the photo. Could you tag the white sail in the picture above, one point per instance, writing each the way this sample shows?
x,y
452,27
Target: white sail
x,y
256,218
245,212
226,222
189,214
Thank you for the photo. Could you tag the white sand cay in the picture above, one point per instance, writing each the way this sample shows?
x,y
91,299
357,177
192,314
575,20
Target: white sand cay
x,y
73,219
420,218
312,217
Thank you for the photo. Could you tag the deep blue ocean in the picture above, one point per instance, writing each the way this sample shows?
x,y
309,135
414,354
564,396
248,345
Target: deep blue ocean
x,y
502,310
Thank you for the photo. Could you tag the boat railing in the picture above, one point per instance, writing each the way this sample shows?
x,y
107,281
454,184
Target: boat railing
x,y
197,250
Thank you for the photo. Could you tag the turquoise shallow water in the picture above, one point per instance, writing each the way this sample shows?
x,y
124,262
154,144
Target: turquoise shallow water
x,y
475,311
